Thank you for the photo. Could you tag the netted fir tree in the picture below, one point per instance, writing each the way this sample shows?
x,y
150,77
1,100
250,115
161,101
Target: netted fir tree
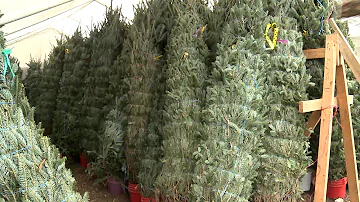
x,y
49,85
105,48
229,154
163,14
31,169
185,76
141,81
65,119
286,147
32,82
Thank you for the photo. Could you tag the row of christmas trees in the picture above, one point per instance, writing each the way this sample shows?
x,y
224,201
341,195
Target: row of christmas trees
x,y
195,101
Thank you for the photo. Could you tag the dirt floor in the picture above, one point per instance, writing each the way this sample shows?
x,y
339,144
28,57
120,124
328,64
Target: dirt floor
x,y
97,193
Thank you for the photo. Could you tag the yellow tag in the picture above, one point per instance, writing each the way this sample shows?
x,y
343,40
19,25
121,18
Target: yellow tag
x,y
66,50
203,29
304,32
158,57
275,29
186,55
233,46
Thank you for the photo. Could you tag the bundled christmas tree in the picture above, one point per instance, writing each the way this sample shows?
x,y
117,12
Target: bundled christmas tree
x,y
185,76
285,145
31,169
32,82
150,165
228,157
49,86
65,119
140,80
105,48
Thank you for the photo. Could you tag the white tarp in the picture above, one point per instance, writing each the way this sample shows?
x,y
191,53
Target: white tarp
x,y
35,34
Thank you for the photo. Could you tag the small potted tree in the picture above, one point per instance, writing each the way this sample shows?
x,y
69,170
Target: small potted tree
x,y
109,163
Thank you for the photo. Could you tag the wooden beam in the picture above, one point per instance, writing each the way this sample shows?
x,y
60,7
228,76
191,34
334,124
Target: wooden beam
x,y
346,51
314,53
347,131
326,119
312,122
314,105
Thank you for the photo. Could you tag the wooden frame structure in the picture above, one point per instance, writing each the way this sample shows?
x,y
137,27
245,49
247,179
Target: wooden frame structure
x,y
336,50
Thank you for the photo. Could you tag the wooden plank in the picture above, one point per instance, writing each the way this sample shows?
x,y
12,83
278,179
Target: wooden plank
x,y
312,122
314,53
326,119
346,51
347,131
314,105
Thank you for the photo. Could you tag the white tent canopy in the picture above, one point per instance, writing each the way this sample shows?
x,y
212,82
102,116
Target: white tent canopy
x,y
31,27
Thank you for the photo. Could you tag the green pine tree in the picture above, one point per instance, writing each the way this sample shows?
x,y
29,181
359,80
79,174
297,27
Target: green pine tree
x,y
182,130
31,82
97,100
140,80
150,165
287,81
228,156
65,119
49,86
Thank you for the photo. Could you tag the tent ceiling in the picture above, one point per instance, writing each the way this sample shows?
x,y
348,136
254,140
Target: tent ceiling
x,y
64,16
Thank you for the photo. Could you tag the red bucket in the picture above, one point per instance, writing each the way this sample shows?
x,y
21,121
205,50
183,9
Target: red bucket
x,y
83,162
337,188
143,199
134,190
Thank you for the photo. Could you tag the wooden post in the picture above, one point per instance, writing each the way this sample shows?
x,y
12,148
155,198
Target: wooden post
x,y
346,125
326,119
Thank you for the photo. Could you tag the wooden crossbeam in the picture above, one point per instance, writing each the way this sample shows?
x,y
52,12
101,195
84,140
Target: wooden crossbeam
x,y
346,51
314,53
314,105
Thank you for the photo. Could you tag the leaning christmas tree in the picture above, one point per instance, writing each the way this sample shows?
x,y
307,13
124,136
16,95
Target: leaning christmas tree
x,y
30,167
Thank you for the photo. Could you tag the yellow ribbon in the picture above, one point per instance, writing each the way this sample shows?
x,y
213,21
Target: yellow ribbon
x,y
158,57
304,32
203,29
275,29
